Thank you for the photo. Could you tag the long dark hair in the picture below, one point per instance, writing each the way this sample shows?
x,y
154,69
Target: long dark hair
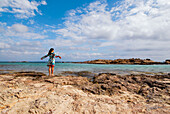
x,y
49,53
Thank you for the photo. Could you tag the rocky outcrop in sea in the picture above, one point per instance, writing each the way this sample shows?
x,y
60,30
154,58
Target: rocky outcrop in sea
x,y
137,61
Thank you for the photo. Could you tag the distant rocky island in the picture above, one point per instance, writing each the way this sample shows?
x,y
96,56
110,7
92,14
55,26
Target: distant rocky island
x,y
137,61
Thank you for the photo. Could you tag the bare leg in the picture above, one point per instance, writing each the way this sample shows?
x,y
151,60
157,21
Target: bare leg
x,y
52,70
49,70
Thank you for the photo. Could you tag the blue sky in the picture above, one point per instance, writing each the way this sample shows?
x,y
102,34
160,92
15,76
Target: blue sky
x,y
84,29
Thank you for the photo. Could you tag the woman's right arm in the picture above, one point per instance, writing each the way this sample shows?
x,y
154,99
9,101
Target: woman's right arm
x,y
44,57
58,56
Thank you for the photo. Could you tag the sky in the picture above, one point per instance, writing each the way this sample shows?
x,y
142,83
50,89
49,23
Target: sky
x,y
82,30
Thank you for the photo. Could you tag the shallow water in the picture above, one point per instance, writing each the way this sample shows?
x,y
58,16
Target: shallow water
x,y
96,68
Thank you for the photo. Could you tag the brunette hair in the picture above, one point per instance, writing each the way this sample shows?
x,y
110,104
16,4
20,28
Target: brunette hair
x,y
49,53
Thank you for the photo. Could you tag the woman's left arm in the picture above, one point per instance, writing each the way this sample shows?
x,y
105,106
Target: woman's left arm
x,y
58,56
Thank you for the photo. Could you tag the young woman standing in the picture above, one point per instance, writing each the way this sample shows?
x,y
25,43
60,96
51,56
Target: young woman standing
x,y
51,61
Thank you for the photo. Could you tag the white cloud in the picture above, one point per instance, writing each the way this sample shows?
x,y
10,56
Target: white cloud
x,y
80,48
17,39
27,35
31,22
28,43
59,42
4,45
23,52
2,24
128,25
19,28
44,2
19,31
78,55
136,19
129,28
21,8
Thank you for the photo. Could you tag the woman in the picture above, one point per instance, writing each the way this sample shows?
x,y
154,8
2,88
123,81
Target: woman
x,y
51,61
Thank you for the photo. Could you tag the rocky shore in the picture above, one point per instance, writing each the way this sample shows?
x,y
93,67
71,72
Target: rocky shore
x,y
126,61
106,93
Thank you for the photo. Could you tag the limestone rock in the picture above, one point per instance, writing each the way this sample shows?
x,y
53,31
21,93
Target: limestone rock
x,y
32,92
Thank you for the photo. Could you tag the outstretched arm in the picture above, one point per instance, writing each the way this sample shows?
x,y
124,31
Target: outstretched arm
x,y
58,56
44,57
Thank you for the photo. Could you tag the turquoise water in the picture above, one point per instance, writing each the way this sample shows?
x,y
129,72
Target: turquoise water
x,y
97,68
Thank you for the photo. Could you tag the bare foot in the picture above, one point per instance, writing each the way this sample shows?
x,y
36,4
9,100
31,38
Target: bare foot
x,y
52,74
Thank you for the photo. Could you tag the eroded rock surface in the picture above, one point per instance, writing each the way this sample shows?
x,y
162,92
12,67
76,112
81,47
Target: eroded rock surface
x,y
154,88
34,92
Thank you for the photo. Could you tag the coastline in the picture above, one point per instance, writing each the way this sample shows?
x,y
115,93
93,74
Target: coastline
x,y
35,92
93,68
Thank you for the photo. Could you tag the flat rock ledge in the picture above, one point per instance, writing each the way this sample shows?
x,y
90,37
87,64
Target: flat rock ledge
x,y
107,93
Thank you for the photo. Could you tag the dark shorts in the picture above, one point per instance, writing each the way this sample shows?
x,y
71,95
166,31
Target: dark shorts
x,y
51,65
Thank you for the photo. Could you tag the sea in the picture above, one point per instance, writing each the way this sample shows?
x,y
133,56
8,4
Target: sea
x,y
75,67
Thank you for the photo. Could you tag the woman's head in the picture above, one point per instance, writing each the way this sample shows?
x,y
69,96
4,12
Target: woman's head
x,y
50,51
